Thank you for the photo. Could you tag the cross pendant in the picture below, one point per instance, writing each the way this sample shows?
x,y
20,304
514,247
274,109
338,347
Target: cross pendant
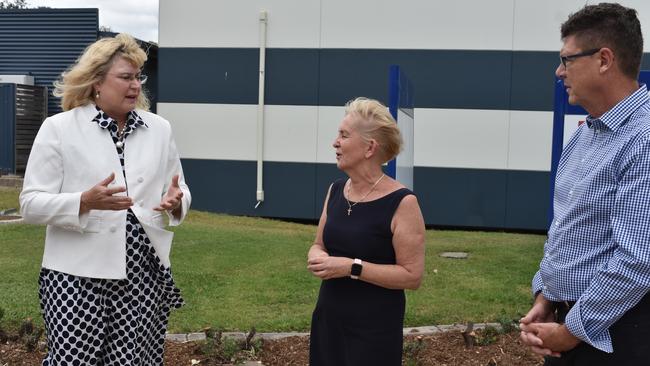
x,y
349,210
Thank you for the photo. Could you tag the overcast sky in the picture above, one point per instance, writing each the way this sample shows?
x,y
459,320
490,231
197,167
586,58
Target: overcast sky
x,y
136,17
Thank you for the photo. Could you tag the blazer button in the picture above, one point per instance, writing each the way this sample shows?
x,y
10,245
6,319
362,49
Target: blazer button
x,y
140,179
113,229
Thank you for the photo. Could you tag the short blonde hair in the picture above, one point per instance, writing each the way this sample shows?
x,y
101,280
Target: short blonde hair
x,y
374,121
76,84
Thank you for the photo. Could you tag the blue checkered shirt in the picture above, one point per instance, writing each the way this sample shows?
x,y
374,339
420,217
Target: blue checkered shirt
x,y
598,247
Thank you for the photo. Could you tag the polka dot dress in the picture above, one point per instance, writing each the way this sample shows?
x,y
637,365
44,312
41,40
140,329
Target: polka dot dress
x,y
93,321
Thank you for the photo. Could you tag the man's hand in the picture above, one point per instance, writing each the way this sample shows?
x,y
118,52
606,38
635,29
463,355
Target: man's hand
x,y
541,312
172,200
554,336
100,197
327,267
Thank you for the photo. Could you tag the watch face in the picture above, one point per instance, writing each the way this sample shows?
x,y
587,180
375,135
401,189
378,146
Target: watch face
x,y
356,269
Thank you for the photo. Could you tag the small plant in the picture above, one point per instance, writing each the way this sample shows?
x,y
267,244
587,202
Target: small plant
x,y
412,349
229,348
219,348
487,336
507,323
29,335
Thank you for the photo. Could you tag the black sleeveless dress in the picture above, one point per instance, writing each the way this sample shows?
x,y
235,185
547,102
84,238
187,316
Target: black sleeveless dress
x,y
356,323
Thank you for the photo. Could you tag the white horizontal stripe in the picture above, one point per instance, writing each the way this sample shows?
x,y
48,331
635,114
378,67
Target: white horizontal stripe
x,y
537,23
449,138
374,24
229,131
530,140
461,138
230,23
417,24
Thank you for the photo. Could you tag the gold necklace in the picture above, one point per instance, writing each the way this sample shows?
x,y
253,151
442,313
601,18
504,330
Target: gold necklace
x,y
350,205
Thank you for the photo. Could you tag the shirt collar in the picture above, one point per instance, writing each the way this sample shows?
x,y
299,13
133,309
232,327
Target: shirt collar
x,y
133,119
615,117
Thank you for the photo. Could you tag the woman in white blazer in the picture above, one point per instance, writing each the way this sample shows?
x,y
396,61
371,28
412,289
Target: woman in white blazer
x,y
102,175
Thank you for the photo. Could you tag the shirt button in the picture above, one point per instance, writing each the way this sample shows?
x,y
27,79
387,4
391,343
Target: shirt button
x,y
544,287
113,229
557,223
570,192
140,179
546,255
583,160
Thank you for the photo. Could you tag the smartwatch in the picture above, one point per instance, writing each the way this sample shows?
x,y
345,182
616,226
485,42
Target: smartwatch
x,y
355,271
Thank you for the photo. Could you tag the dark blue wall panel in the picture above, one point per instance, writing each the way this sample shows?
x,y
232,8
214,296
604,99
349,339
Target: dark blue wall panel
x,y
527,200
7,128
230,76
229,187
449,197
462,197
463,79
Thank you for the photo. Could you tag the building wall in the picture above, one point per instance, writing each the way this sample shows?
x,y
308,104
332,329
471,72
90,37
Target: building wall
x,y
44,42
483,84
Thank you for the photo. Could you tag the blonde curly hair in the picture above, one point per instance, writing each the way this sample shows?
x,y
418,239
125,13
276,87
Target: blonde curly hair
x,y
374,121
75,87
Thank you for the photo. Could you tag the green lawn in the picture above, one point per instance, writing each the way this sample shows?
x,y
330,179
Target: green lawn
x,y
238,272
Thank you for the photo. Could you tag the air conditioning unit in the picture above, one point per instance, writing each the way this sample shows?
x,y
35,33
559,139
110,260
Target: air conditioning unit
x,y
17,79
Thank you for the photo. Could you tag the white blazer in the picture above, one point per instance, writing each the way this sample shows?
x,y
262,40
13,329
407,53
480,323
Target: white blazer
x,y
71,154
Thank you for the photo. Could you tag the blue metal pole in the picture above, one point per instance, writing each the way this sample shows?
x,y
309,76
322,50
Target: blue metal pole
x,y
393,106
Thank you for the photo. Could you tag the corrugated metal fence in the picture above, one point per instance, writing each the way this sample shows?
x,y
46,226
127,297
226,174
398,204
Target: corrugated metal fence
x,y
22,111
44,42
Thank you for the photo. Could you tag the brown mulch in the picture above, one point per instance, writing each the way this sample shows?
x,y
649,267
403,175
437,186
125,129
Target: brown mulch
x,y
443,349
14,354
448,349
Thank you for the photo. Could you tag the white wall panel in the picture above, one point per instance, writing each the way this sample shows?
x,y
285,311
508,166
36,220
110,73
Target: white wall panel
x,y
530,140
449,138
213,131
461,138
329,119
207,23
290,133
417,24
537,23
229,131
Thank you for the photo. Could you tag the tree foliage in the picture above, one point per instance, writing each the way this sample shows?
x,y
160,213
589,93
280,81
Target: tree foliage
x,y
13,4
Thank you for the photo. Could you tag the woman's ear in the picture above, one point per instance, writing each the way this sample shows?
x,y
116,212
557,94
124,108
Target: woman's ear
x,y
371,150
96,91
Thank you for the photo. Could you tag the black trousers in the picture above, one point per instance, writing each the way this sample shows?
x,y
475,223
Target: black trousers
x,y
630,339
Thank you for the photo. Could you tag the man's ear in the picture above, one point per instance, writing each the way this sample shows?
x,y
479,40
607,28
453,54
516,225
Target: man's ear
x,y
607,59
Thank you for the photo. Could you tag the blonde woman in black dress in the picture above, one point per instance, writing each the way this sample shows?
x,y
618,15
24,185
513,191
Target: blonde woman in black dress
x,y
369,247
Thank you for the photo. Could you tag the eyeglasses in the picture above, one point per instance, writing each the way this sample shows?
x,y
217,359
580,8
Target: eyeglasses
x,y
564,59
141,78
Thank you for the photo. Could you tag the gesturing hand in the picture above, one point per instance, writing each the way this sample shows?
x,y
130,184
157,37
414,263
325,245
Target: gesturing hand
x,y
172,199
326,267
100,197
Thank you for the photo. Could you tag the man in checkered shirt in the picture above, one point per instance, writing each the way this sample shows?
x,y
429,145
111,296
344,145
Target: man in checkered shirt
x,y
591,292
